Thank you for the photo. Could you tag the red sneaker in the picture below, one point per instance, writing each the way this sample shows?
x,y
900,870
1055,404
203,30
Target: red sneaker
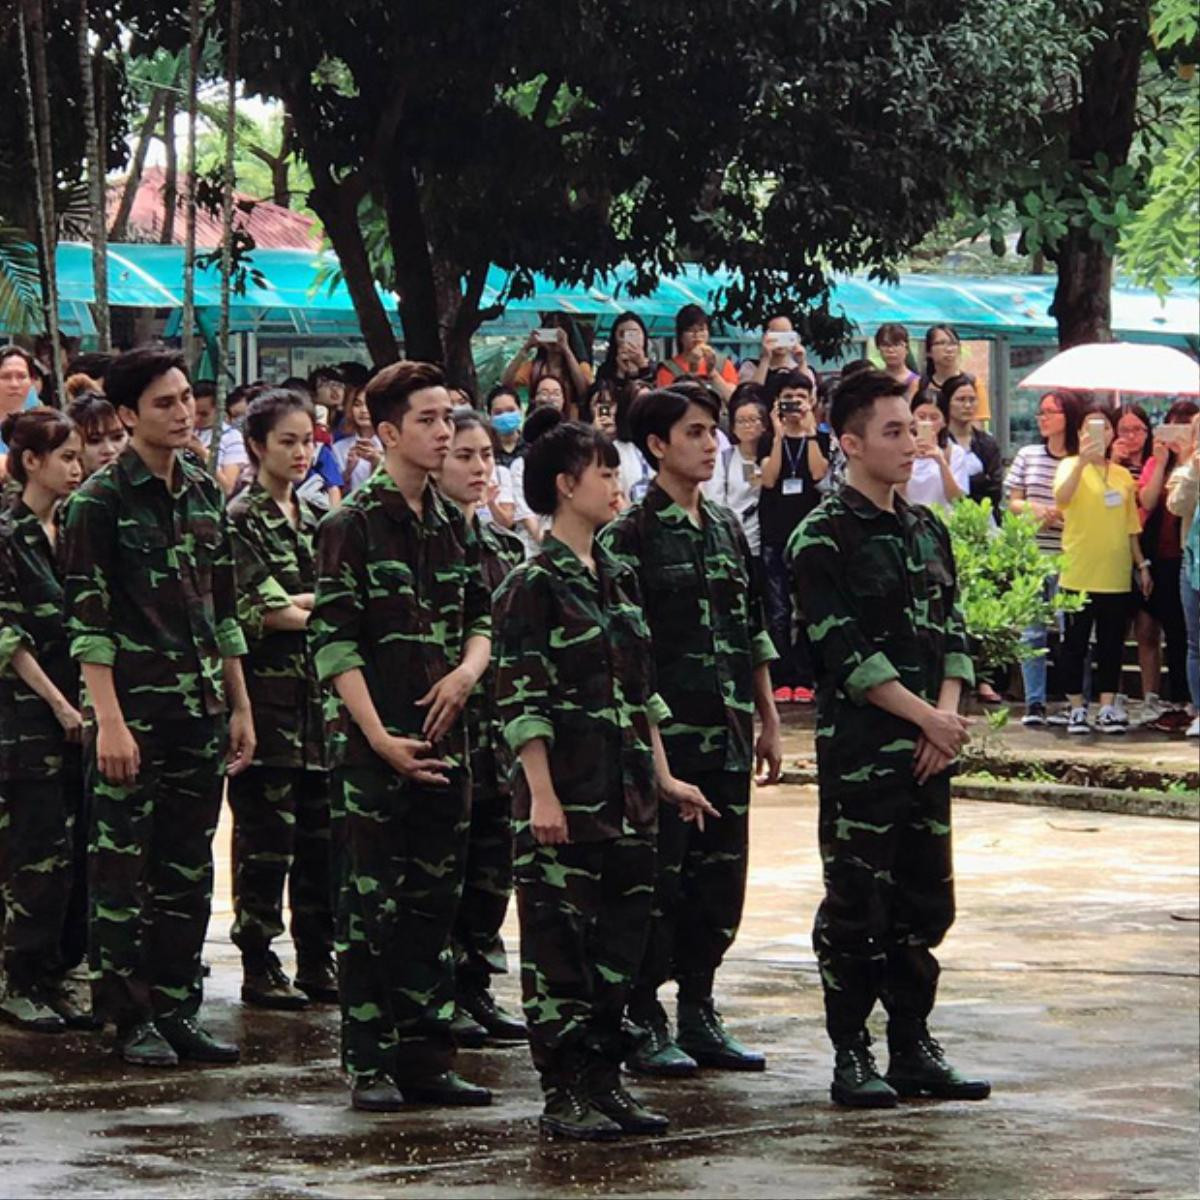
x,y
803,695
784,695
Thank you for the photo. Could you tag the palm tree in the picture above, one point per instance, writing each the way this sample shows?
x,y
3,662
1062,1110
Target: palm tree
x,y
96,159
20,282
235,16
32,34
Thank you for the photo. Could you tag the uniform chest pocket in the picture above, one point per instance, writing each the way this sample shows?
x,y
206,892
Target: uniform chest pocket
x,y
142,539
206,537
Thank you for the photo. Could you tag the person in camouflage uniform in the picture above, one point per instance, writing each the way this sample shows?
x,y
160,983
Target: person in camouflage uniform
x,y
151,613
574,686
875,579
711,652
281,802
401,628
479,953
42,875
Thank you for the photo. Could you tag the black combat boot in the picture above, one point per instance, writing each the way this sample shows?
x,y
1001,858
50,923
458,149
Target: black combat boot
x,y
657,1053
703,1035
607,1094
446,1089
316,977
193,1043
265,983
856,1079
499,1024
917,1066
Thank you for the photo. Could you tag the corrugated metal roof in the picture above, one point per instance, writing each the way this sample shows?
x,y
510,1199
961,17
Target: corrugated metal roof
x,y
271,226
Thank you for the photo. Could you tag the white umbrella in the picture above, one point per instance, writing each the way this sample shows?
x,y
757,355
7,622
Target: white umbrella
x,y
1120,367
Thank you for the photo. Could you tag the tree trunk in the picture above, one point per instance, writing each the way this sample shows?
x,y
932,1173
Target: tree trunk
x,y
414,268
119,228
96,159
1104,122
337,206
281,192
235,16
1082,296
171,171
189,209
32,33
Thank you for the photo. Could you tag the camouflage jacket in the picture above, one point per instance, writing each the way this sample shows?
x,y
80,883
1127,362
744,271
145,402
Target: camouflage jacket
x,y
397,597
150,587
704,608
878,593
32,742
275,562
500,552
573,666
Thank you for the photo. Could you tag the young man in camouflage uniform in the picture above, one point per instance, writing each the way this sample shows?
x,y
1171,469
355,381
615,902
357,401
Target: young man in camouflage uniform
x,y
151,611
401,628
711,653
575,686
874,577
281,802
479,953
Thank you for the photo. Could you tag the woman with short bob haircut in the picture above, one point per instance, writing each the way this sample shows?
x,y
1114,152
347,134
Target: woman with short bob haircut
x,y
575,692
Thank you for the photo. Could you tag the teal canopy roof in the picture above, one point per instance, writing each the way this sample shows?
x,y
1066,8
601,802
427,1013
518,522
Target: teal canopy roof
x,y
295,293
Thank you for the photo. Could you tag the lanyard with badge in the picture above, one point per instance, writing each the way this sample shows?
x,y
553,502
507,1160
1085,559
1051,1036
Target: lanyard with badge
x,y
793,486
1112,497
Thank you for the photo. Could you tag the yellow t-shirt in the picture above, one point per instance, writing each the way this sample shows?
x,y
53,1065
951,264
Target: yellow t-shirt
x,y
1096,528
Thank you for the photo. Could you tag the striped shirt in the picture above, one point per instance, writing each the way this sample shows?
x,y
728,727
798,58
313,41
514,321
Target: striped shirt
x,y
1033,472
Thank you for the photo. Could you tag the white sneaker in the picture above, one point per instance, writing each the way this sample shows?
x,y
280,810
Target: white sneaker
x,y
1109,720
1062,717
1193,730
1079,722
1152,708
1121,704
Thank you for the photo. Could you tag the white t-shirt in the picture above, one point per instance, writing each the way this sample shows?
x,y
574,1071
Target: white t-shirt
x,y
635,472
730,486
362,469
925,486
521,510
232,450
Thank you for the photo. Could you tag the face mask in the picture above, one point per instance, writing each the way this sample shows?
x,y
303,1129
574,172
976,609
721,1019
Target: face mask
x,y
507,423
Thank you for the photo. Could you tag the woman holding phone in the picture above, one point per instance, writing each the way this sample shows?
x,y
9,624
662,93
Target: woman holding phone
x,y
1162,613
940,474
1101,551
629,353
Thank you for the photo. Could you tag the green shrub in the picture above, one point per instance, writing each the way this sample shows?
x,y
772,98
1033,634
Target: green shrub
x,y
1001,574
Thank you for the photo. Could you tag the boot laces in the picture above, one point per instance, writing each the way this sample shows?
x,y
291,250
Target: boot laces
x,y
275,972
862,1063
932,1049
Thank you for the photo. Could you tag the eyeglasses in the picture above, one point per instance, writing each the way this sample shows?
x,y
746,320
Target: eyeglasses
x,y
746,422
941,345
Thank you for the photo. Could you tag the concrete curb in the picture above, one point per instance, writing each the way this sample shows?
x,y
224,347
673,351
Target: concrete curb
x,y
1057,795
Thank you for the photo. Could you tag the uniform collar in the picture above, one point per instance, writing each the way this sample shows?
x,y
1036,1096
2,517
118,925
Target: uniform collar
x,y
132,465
566,562
263,503
383,488
668,511
861,506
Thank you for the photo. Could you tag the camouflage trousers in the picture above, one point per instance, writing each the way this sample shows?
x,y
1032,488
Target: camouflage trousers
x,y
487,886
889,898
43,877
281,835
583,909
399,855
699,890
150,872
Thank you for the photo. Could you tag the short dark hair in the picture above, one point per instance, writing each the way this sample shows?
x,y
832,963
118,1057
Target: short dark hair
x,y
11,351
40,430
657,412
778,381
502,389
94,363
203,388
266,409
131,373
688,316
389,392
92,411
562,448
244,392
891,333
855,397
297,383
326,374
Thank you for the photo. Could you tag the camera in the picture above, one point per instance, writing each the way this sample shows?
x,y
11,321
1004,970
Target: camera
x,y
545,337
791,408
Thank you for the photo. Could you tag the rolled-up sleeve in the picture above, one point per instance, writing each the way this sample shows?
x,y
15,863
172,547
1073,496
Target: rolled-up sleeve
x,y
524,671
231,641
336,627
88,550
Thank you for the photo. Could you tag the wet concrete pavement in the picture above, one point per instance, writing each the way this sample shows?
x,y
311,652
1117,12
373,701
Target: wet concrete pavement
x,y
1071,979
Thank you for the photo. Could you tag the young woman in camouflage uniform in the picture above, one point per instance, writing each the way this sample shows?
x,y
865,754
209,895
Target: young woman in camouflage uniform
x,y
575,688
